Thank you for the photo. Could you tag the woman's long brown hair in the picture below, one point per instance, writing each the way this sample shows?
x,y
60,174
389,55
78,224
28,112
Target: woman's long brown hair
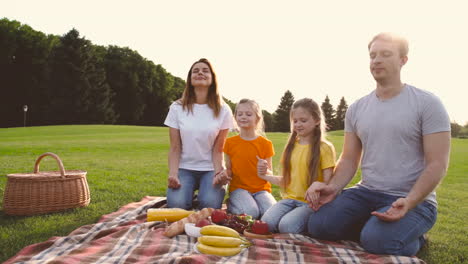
x,y
318,136
189,98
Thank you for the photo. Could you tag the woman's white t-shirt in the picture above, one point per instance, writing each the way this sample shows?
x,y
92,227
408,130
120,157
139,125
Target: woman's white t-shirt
x,y
198,132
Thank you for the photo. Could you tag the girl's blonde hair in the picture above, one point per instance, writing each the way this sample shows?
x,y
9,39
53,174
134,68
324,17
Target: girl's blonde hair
x,y
318,136
260,124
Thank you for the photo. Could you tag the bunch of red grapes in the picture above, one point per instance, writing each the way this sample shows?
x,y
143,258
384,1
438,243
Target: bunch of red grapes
x,y
236,222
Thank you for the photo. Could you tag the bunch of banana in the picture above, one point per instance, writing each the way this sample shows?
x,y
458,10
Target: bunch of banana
x,y
221,241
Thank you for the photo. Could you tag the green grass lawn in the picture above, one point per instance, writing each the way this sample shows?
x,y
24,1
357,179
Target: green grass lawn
x,y
126,163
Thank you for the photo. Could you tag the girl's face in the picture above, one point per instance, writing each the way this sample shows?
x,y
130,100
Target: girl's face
x,y
245,116
201,75
303,122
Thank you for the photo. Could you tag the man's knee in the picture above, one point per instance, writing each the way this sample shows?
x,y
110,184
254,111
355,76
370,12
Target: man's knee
x,y
379,244
318,227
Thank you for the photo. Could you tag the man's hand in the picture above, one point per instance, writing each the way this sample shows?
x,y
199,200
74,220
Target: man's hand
x,y
173,182
319,194
398,210
221,177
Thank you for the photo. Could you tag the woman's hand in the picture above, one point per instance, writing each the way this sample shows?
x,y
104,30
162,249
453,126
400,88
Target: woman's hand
x,y
221,177
173,182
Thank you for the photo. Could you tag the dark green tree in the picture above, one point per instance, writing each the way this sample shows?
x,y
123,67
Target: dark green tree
x,y
328,113
268,120
124,69
78,83
281,117
340,114
231,104
455,129
23,65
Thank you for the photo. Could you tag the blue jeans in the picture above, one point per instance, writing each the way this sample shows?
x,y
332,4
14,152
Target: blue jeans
x,y
349,217
288,216
254,204
209,196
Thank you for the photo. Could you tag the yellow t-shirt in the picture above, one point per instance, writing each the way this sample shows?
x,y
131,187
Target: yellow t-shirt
x,y
299,169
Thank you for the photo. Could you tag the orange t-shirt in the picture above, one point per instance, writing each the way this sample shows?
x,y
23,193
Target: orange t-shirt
x,y
242,154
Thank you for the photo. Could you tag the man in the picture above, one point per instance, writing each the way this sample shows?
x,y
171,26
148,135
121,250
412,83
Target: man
x,y
401,136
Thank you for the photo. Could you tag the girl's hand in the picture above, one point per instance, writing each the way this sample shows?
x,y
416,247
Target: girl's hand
x,y
173,182
319,194
262,167
221,177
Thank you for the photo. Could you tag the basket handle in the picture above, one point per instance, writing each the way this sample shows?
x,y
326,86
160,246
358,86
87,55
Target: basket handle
x,y
59,162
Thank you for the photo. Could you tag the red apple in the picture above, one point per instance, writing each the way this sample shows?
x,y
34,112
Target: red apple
x,y
218,216
260,227
203,223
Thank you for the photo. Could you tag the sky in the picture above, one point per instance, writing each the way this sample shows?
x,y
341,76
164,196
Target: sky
x,y
260,49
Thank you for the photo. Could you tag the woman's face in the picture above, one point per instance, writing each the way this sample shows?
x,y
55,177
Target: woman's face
x,y
201,75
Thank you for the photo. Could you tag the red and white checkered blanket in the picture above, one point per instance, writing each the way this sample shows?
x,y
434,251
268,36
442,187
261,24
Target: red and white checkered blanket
x,y
125,237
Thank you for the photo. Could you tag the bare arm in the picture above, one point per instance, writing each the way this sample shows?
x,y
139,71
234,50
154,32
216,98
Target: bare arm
x,y
174,157
436,154
348,162
221,176
227,161
320,193
327,174
218,150
265,171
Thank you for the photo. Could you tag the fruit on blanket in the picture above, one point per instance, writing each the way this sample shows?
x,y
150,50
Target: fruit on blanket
x,y
220,241
203,222
167,214
238,222
218,251
259,227
217,230
218,216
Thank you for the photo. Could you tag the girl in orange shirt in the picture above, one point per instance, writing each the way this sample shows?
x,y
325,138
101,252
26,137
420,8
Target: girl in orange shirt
x,y
248,193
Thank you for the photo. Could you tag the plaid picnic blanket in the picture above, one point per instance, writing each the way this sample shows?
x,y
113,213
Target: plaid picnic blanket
x,y
125,237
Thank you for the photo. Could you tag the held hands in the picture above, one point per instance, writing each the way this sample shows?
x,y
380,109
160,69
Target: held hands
x,y
221,177
262,167
173,182
319,194
398,210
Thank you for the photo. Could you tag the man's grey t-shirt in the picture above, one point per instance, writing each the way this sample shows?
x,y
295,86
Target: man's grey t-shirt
x,y
391,132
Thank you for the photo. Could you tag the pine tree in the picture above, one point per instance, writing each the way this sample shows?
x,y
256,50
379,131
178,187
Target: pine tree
x,y
79,88
329,114
281,116
340,114
268,120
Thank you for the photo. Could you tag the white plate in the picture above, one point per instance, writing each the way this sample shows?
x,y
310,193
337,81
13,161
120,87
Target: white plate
x,y
192,230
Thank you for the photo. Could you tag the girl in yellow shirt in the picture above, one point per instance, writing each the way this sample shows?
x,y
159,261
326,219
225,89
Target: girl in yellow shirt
x,y
307,157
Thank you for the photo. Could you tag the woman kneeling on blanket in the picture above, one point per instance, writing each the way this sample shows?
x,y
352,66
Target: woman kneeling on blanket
x,y
198,125
307,157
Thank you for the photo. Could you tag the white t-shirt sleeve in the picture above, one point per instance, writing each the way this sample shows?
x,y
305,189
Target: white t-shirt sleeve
x,y
171,118
227,118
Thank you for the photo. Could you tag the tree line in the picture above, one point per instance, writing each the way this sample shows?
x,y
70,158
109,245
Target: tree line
x,y
279,120
69,80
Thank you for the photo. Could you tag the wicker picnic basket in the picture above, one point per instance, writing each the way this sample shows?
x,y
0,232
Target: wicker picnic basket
x,y
45,192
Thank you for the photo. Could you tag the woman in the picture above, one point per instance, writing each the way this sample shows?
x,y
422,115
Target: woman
x,y
198,125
